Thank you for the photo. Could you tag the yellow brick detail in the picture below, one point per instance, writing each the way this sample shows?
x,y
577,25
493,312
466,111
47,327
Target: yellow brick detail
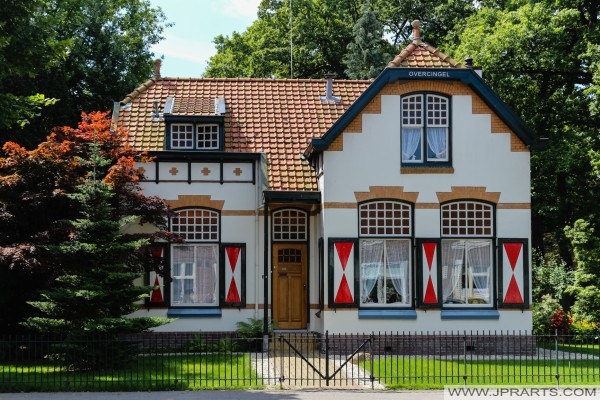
x,y
195,201
450,88
386,192
468,192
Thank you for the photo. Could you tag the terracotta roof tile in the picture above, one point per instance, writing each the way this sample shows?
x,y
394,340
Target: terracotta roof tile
x,y
275,117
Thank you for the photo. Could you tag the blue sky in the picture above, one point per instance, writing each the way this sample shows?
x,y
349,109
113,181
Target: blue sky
x,y
188,44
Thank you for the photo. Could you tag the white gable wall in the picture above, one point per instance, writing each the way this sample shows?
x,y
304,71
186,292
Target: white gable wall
x,y
480,159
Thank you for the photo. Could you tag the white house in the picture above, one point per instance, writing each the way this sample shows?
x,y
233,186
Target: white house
x,y
397,204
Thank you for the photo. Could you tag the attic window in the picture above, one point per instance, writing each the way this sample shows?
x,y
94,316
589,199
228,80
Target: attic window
x,y
425,129
195,136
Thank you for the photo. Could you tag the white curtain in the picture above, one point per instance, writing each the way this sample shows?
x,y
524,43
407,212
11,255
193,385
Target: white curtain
x,y
206,280
397,252
411,140
479,265
437,141
452,269
371,262
182,272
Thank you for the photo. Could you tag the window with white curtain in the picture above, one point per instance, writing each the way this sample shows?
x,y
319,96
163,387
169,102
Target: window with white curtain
x,y
195,263
467,261
425,128
385,254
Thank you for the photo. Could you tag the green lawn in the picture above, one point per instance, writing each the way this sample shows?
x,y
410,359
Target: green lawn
x,y
419,373
173,372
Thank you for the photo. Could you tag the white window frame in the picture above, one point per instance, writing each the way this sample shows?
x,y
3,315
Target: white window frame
x,y
202,273
185,142
210,143
467,254
290,225
385,229
423,116
200,228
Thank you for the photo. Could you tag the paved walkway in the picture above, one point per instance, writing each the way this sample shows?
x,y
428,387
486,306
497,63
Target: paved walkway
x,y
327,394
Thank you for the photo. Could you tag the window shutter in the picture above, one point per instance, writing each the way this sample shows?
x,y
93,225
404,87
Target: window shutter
x,y
157,297
233,275
343,273
429,293
513,280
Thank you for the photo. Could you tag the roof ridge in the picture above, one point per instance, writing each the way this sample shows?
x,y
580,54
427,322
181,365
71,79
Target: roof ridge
x,y
148,83
139,90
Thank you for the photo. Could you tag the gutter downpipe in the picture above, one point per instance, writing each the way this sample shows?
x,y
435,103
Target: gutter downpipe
x,y
266,276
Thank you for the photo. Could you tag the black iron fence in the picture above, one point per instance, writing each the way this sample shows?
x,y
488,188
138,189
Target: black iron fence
x,y
154,361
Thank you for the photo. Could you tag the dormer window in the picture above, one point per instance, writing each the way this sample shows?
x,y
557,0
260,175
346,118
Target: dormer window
x,y
194,136
425,129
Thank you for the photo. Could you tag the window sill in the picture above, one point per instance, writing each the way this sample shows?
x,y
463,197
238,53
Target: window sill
x,y
422,169
387,314
470,314
194,313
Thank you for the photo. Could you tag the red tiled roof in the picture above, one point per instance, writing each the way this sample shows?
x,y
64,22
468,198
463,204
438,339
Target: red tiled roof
x,y
419,54
277,117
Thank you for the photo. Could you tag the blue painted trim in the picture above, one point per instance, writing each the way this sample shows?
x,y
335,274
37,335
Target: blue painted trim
x,y
470,314
387,314
465,75
194,313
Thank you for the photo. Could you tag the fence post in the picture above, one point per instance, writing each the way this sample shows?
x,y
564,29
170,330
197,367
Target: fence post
x,y
557,376
326,358
372,372
465,357
281,372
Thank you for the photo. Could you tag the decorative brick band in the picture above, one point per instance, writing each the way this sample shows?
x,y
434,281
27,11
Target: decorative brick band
x,y
450,88
195,200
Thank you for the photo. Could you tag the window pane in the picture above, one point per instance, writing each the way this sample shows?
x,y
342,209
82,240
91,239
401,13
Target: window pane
x,y
207,137
411,145
467,278
385,218
194,275
458,219
437,144
290,225
196,225
385,272
182,136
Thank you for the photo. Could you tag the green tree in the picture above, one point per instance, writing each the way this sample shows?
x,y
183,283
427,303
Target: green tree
x,y
85,53
369,53
35,195
28,46
538,49
316,40
94,289
305,42
586,288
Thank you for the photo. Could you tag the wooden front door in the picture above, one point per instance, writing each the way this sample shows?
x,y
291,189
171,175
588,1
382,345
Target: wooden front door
x,y
289,285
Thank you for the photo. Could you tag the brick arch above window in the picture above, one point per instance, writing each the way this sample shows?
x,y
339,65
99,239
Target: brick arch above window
x,y
196,201
386,192
468,192
385,218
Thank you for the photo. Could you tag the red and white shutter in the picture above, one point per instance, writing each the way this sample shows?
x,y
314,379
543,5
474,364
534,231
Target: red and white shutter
x,y
156,294
514,273
342,273
233,275
428,259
